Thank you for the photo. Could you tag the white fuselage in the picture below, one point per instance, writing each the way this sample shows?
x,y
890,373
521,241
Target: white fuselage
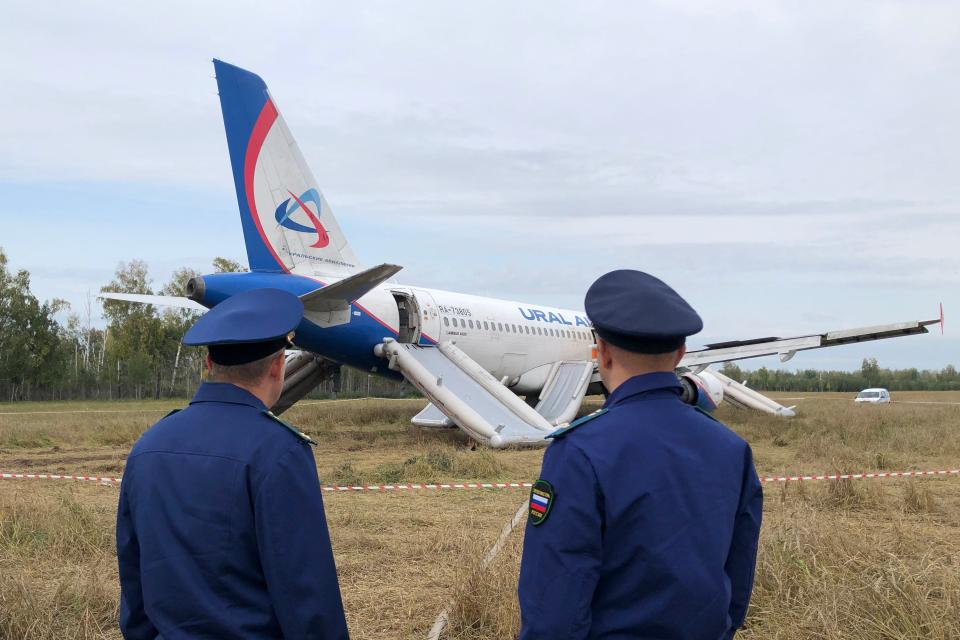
x,y
517,342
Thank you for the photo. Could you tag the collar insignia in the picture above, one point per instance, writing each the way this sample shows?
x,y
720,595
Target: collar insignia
x,y
291,428
576,423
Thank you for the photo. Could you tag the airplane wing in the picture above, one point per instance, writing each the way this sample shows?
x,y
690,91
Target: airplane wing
x,y
786,348
160,301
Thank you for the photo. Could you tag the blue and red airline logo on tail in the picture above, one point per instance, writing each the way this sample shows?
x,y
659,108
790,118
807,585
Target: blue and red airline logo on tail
x,y
284,212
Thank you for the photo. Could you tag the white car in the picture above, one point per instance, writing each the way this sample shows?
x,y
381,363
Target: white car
x,y
873,396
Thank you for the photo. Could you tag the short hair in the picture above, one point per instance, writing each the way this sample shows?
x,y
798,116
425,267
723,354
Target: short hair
x,y
628,358
248,372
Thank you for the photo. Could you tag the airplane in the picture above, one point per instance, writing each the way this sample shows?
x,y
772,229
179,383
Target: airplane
x,y
472,357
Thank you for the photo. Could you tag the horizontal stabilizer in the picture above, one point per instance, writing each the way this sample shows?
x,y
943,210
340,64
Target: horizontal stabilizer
x,y
341,294
160,301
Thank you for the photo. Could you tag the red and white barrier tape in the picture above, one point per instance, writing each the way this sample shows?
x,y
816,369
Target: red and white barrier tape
x,y
498,485
859,476
452,485
54,476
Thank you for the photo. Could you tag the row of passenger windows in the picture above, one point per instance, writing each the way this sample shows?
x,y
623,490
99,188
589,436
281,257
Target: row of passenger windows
x,y
572,334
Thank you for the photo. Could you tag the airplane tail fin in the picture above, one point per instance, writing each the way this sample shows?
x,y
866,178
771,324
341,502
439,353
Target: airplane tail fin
x,y
287,223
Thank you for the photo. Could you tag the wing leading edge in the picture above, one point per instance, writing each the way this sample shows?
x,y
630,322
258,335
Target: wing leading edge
x,y
786,348
160,301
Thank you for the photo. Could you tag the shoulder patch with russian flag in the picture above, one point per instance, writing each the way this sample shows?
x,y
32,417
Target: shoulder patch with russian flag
x,y
542,496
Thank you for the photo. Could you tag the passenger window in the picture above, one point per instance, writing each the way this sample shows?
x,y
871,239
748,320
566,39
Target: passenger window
x,y
500,327
463,323
485,325
446,321
470,322
539,331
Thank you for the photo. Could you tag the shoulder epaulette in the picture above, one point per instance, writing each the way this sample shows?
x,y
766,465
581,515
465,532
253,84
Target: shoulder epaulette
x,y
576,423
291,428
706,413
170,414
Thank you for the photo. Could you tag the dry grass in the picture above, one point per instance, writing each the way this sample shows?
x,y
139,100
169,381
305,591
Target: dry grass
x,y
58,562
855,559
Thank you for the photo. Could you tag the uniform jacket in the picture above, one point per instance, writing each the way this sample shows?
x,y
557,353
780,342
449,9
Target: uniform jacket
x,y
652,527
221,531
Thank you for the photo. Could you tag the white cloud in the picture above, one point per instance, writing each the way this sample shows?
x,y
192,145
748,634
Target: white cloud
x,y
776,159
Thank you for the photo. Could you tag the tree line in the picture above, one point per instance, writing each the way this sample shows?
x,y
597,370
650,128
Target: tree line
x,y
870,374
137,353
49,351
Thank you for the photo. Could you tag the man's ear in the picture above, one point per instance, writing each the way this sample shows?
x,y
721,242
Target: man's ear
x,y
604,354
209,362
276,367
682,351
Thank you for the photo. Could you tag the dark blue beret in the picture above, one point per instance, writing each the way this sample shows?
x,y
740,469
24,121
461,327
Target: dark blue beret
x,y
638,312
247,326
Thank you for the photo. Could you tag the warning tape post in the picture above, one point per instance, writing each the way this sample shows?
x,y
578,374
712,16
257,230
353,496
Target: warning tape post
x,y
106,480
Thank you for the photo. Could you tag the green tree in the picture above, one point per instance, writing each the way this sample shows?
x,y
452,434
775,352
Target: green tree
x,y
29,335
179,360
870,371
226,265
733,371
137,337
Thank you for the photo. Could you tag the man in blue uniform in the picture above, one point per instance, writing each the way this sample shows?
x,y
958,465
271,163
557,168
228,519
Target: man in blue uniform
x,y
645,519
221,531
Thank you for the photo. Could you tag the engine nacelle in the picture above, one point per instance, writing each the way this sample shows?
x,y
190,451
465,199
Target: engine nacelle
x,y
702,390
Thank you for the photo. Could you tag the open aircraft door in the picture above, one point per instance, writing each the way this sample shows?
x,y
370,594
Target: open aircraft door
x,y
429,314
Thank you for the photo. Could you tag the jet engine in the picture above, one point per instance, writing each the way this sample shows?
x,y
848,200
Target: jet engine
x,y
304,371
702,390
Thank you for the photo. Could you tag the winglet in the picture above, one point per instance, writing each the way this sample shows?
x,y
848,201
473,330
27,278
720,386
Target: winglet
x,y
941,318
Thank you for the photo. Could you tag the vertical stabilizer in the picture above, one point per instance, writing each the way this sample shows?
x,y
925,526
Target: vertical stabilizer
x,y
287,223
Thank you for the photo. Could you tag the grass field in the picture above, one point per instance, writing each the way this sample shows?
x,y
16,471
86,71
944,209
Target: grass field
x,y
851,559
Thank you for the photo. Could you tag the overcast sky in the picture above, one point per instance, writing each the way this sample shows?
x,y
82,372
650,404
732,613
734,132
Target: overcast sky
x,y
789,167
